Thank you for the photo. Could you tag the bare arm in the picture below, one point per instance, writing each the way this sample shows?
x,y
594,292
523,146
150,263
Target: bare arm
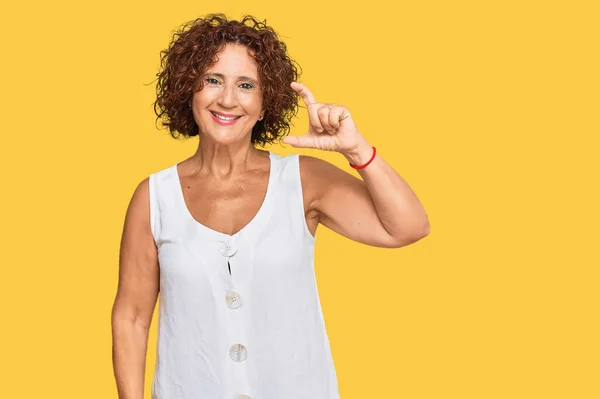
x,y
380,210
136,296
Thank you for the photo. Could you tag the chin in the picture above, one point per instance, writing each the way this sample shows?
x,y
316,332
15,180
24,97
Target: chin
x,y
225,137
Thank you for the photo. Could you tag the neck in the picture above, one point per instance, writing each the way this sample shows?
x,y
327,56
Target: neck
x,y
226,160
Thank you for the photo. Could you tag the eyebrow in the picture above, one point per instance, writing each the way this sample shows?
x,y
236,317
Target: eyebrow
x,y
220,75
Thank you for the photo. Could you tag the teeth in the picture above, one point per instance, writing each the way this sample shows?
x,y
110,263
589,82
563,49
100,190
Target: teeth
x,y
225,118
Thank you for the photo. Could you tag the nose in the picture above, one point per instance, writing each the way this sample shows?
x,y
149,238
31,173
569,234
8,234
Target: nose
x,y
228,97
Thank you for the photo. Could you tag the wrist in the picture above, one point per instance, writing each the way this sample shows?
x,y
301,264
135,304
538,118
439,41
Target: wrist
x,y
359,155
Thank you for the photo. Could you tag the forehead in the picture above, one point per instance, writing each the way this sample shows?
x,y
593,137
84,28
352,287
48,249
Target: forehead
x,y
235,60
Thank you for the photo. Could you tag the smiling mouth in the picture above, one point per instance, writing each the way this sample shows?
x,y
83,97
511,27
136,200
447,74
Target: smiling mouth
x,y
225,118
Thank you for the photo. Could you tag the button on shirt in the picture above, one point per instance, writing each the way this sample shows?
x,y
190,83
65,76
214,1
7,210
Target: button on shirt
x,y
228,250
255,333
233,300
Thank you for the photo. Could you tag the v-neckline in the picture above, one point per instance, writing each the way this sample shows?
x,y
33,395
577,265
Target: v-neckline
x,y
218,234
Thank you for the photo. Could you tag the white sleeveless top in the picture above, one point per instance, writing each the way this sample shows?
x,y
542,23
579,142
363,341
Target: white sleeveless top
x,y
257,333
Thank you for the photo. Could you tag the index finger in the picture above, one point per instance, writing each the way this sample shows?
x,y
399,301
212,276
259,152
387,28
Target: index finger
x,y
303,91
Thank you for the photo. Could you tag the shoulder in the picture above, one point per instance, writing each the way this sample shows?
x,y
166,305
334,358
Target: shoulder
x,y
311,170
139,204
312,164
319,171
146,191
137,215
321,178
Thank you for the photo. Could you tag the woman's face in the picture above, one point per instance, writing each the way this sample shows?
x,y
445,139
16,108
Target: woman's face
x,y
230,103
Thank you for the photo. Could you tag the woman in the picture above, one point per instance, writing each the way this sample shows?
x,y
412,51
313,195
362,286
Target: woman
x,y
227,236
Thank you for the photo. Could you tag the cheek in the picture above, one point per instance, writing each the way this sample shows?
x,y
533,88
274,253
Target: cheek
x,y
204,97
252,104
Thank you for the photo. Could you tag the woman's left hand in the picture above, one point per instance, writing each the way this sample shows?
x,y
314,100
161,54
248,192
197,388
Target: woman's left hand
x,y
331,127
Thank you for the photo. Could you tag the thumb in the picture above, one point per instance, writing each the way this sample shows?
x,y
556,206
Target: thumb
x,y
299,141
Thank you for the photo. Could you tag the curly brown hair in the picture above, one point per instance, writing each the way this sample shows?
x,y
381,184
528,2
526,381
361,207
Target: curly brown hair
x,y
192,51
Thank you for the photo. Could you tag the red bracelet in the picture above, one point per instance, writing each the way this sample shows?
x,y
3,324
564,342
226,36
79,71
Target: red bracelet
x,y
365,165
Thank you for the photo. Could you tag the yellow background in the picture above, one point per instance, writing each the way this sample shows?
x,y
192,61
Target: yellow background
x,y
490,110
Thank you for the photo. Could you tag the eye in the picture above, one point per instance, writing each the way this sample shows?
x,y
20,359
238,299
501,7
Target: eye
x,y
211,81
247,86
